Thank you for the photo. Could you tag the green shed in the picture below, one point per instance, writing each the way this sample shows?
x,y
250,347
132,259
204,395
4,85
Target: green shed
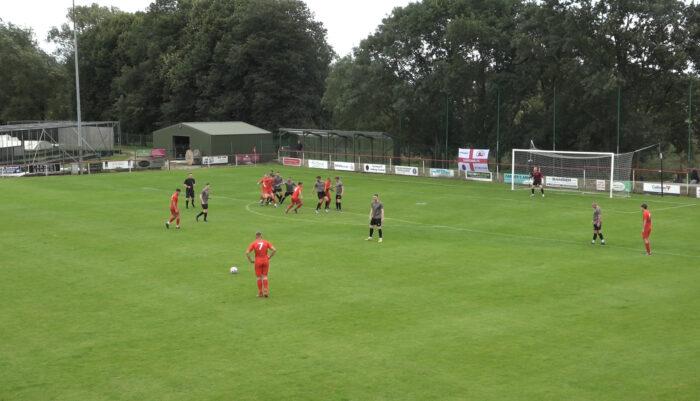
x,y
214,139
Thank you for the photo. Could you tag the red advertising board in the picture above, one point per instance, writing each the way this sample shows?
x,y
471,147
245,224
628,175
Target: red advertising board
x,y
291,161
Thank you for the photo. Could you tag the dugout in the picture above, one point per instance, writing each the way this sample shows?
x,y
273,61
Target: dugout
x,y
214,139
342,145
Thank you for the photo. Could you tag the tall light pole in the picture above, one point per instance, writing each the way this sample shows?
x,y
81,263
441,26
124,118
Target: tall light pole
x,y
447,123
690,124
618,118
77,87
554,118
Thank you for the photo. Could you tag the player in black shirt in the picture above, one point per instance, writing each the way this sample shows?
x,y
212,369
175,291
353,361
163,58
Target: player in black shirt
x,y
189,190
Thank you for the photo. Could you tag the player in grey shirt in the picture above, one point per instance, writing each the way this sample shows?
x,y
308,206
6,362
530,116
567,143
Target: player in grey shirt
x,y
597,224
339,191
289,187
318,186
277,185
376,217
204,201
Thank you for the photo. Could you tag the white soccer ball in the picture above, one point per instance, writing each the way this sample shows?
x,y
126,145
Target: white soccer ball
x,y
233,270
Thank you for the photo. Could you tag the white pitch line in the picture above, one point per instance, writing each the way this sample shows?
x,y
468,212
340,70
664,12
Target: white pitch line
x,y
414,224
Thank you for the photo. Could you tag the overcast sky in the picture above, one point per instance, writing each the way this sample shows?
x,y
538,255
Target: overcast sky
x,y
347,21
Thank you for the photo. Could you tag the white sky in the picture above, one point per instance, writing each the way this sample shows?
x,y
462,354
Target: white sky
x,y
347,21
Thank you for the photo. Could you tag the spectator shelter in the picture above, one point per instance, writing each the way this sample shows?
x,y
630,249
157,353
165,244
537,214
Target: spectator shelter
x,y
342,145
213,139
48,141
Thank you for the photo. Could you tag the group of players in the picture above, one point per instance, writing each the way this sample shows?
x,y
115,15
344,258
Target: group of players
x,y
536,182
189,198
271,194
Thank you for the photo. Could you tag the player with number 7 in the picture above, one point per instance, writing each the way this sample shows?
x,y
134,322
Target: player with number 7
x,y
262,262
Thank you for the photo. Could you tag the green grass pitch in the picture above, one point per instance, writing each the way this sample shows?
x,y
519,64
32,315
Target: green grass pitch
x,y
477,293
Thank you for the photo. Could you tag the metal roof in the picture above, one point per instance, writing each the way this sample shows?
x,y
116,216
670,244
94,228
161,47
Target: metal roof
x,y
50,125
222,128
327,133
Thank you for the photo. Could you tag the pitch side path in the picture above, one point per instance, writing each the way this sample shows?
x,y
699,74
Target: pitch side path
x,y
477,293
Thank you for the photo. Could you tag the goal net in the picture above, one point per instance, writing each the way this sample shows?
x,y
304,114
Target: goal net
x,y
574,171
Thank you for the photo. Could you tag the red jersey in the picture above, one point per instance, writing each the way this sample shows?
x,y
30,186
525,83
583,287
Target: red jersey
x,y
646,219
260,247
267,184
297,193
173,201
327,186
537,176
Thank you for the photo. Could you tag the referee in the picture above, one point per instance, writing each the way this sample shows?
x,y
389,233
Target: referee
x,y
189,190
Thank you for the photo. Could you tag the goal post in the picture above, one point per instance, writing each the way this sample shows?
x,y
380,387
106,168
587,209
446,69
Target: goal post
x,y
573,171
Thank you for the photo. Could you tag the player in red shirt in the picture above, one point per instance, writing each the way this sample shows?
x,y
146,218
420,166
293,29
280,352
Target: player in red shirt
x,y
327,192
296,198
174,211
266,194
646,227
262,262
536,177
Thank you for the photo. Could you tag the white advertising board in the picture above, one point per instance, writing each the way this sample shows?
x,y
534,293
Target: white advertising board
x,y
403,170
124,164
318,163
441,172
561,182
208,160
600,185
655,187
374,168
344,166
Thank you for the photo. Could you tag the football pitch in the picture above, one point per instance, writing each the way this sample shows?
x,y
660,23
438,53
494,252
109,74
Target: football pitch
x,y
476,293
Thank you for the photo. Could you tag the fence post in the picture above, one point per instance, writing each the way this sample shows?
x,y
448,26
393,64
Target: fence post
x,y
423,162
389,164
330,161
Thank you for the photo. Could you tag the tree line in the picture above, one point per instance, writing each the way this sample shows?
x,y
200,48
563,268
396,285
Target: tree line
x,y
436,74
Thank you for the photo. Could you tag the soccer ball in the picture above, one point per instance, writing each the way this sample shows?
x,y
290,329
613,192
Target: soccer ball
x,y
233,270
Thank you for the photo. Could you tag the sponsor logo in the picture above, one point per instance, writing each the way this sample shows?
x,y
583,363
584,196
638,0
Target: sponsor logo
x,y
441,172
656,188
374,168
561,182
124,164
318,163
520,179
291,161
478,176
207,160
10,170
697,192
622,186
344,166
403,170
600,185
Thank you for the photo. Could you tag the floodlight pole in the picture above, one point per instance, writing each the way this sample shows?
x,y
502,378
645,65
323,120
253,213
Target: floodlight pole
x,y
77,89
618,119
554,118
690,124
498,127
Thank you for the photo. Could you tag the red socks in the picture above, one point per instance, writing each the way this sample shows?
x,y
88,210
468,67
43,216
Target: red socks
x,y
648,247
265,286
260,286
